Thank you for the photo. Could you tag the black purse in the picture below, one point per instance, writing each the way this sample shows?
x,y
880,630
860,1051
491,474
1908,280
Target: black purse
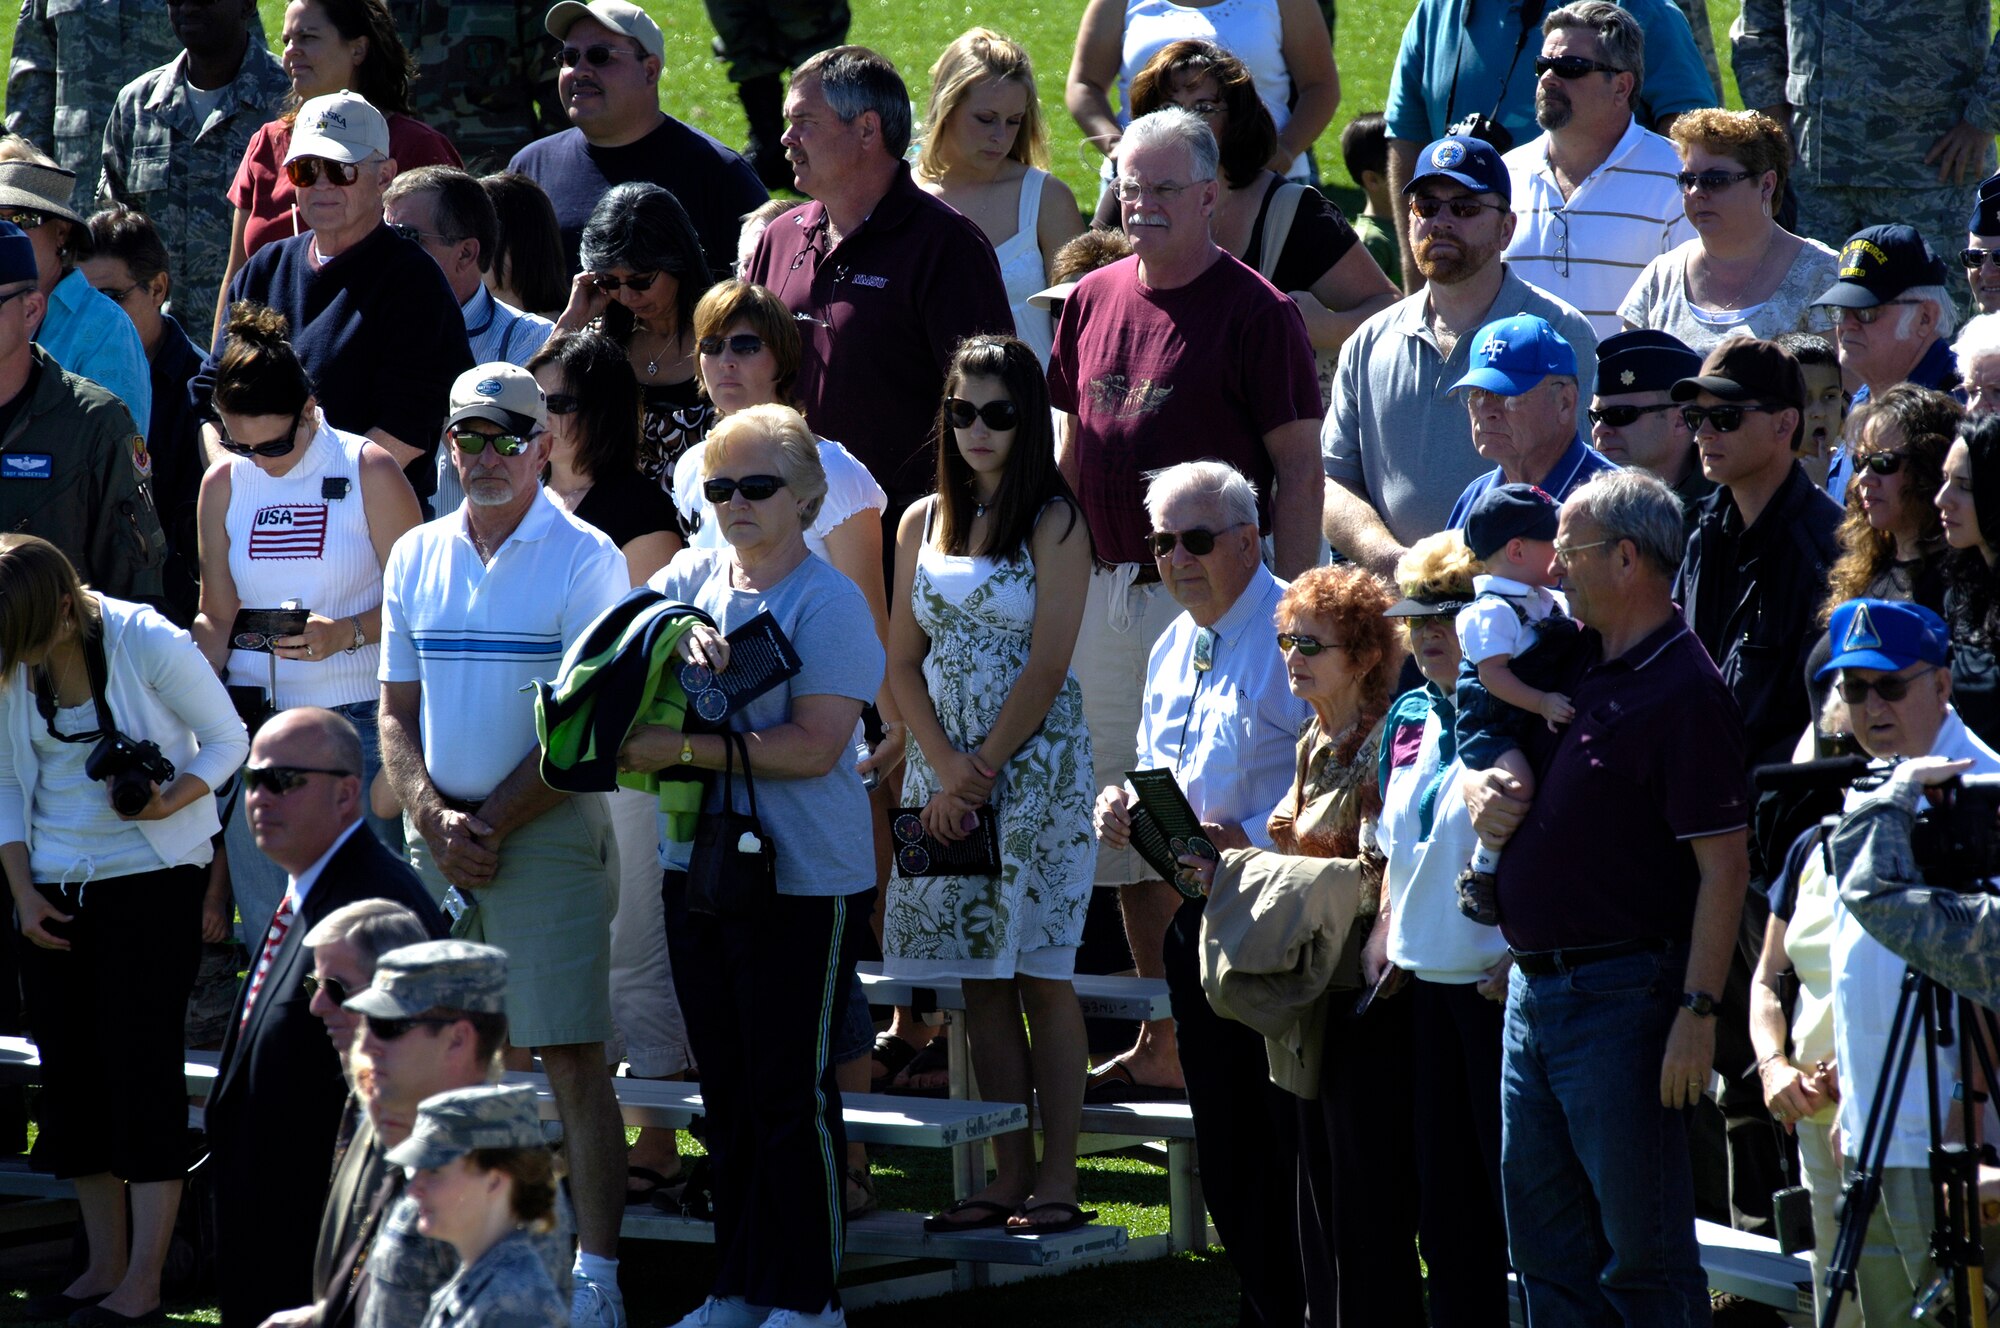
x,y
733,871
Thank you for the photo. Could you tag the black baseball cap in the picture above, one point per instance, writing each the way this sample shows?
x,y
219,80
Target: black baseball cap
x,y
1510,512
1746,369
1881,262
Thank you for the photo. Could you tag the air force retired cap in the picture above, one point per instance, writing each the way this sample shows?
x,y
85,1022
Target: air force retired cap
x,y
506,394
1472,162
454,1123
1879,263
341,126
627,20
1884,634
1512,355
435,975
1643,360
1509,512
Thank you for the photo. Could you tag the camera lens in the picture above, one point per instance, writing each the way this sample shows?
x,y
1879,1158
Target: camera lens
x,y
130,792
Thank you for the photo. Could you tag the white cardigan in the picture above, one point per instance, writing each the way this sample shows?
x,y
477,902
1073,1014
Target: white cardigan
x,y
160,689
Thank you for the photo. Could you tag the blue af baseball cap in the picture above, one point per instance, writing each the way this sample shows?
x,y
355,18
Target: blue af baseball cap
x,y
1514,354
1473,162
1884,634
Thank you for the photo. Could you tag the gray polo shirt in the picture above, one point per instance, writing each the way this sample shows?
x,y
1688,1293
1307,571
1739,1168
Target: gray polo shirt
x,y
1393,436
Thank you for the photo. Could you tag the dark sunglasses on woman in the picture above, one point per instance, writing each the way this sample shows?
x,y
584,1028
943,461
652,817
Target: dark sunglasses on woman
x,y
756,488
472,443
282,779
1881,463
562,403
1305,645
638,281
1000,416
1726,419
276,447
1708,182
1198,542
742,344
304,172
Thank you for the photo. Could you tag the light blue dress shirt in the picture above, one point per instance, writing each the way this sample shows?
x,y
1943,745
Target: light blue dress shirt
x,y
89,335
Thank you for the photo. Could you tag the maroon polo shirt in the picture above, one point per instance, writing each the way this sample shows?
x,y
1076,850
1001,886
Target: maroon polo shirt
x,y
880,314
1157,377
1653,760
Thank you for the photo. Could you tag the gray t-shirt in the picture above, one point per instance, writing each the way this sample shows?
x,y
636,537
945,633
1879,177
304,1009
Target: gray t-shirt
x,y
821,826
1659,300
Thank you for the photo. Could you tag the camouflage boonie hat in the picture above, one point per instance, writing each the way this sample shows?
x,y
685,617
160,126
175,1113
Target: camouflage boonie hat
x,y
452,1124
435,975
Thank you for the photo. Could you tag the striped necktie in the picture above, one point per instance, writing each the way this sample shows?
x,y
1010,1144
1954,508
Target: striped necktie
x,y
281,923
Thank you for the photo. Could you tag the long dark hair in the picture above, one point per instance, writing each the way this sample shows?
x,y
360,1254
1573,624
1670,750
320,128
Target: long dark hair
x,y
385,72
608,409
1029,481
1927,421
1975,589
644,227
527,251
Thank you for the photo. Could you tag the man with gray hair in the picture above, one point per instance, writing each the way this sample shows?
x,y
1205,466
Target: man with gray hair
x,y
1595,197
1619,896
1218,713
345,946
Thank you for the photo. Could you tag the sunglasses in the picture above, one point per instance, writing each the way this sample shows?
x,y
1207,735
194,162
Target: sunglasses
x,y
595,56
562,403
282,779
1000,416
389,1030
638,281
1198,542
742,344
755,488
1572,67
277,447
1978,257
25,219
336,990
417,234
1618,417
1708,182
1867,317
1891,689
1726,419
304,172
1427,206
1305,645
472,443
1881,463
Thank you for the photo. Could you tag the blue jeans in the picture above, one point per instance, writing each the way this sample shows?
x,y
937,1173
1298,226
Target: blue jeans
x,y
1599,1195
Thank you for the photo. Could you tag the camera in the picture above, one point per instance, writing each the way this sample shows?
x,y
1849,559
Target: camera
x,y
132,769
1957,840
1486,129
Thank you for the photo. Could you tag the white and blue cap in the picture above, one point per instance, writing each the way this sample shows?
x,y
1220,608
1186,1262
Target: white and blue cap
x,y
1473,162
1513,355
1884,634
506,394
340,126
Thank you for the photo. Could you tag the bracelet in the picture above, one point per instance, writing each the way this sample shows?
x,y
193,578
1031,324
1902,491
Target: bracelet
x,y
1766,1059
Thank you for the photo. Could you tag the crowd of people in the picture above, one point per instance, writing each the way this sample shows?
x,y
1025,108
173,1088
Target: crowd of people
x,y
569,616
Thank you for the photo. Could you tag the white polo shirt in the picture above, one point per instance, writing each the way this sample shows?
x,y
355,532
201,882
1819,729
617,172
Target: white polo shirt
x,y
477,634
1589,249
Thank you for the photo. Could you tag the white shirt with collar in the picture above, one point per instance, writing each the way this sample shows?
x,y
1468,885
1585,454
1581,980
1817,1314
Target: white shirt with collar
x,y
1489,626
302,884
1230,734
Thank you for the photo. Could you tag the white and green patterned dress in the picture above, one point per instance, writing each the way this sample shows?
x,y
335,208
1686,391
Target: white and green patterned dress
x,y
979,616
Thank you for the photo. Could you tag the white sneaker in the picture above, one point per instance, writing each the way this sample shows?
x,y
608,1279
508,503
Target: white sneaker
x,y
830,1317
725,1312
594,1305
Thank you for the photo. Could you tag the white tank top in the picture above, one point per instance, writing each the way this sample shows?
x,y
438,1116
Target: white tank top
x,y
1250,30
1024,271
289,538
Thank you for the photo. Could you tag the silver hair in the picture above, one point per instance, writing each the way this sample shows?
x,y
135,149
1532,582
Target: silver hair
x,y
1940,298
1233,496
370,927
1170,126
1633,504
1618,33
854,80
1979,337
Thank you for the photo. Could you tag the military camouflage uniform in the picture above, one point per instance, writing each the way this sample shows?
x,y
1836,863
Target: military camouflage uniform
x,y
160,160
1872,84
485,77
764,38
70,59
506,1288
406,1268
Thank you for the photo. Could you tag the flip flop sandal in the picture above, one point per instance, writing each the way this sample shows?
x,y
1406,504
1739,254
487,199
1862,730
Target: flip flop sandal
x,y
933,1058
993,1215
868,1203
1113,1082
1022,1225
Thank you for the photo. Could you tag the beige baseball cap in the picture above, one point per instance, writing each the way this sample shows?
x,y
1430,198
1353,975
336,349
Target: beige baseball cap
x,y
506,394
341,126
616,15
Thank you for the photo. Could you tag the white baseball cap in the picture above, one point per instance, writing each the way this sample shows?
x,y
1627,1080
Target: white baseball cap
x,y
341,126
617,15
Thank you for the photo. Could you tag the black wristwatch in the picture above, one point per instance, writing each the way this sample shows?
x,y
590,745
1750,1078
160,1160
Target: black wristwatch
x,y
1700,1002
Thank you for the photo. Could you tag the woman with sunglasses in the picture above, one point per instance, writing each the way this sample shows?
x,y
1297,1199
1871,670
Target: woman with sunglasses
x,y
329,45
764,982
643,270
993,570
302,513
109,901
1968,504
1743,272
1892,541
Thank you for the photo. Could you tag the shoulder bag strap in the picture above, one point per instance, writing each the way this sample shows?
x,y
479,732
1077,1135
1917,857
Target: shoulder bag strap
x,y
1278,227
736,740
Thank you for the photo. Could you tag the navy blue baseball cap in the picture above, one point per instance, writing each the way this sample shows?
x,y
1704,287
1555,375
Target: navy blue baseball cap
x,y
1986,212
1879,263
1884,634
1643,360
1509,512
1473,162
17,255
1514,354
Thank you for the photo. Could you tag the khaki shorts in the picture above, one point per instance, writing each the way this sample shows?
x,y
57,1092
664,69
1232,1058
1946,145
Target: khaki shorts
x,y
1121,624
550,909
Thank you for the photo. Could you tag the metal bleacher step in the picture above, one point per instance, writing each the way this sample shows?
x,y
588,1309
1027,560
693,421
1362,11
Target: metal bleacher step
x,y
901,1235
1100,997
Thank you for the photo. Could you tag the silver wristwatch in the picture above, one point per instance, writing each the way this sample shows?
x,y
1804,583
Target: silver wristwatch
x,y
360,637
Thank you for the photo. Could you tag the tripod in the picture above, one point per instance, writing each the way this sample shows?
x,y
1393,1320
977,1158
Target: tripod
x,y
1925,1011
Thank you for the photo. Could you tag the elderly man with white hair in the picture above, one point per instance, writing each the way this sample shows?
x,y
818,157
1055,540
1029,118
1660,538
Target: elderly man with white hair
x,y
1976,354
1218,715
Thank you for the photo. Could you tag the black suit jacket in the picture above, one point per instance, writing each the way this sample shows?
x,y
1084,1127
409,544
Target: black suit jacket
x,y
275,1109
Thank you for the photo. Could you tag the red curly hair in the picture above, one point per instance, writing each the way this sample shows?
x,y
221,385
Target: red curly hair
x,y
1351,601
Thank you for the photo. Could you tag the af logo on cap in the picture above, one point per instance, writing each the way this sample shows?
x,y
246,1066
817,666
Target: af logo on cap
x,y
487,387
1494,348
1447,155
1861,633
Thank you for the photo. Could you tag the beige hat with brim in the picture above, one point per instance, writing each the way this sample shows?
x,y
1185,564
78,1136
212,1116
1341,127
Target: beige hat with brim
x,y
626,19
1051,298
38,188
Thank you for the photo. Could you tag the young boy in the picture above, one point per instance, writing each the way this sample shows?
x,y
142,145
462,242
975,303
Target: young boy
x,y
1826,401
1364,146
1511,530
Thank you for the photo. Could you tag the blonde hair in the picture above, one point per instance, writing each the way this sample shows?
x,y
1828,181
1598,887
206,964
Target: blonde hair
x,y
798,450
981,53
35,579
1437,566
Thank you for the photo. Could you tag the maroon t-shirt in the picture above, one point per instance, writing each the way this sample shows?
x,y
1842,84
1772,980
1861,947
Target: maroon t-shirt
x,y
1158,377
1653,759
880,315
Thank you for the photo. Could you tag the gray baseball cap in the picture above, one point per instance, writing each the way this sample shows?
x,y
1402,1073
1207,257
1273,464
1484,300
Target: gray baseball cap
x,y
435,975
453,1123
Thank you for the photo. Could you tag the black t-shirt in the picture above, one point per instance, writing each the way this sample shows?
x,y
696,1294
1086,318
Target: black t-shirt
x,y
1319,238
625,510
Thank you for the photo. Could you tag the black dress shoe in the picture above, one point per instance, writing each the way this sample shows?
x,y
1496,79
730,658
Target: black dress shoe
x,y
96,1316
56,1306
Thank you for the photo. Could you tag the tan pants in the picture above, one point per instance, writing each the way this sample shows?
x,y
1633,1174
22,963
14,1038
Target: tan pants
x,y
1121,623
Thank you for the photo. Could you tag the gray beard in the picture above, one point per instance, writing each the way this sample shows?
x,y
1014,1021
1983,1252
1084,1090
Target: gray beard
x,y
1552,114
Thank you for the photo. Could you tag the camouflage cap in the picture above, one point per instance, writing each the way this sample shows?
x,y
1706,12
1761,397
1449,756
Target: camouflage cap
x,y
453,1123
435,975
